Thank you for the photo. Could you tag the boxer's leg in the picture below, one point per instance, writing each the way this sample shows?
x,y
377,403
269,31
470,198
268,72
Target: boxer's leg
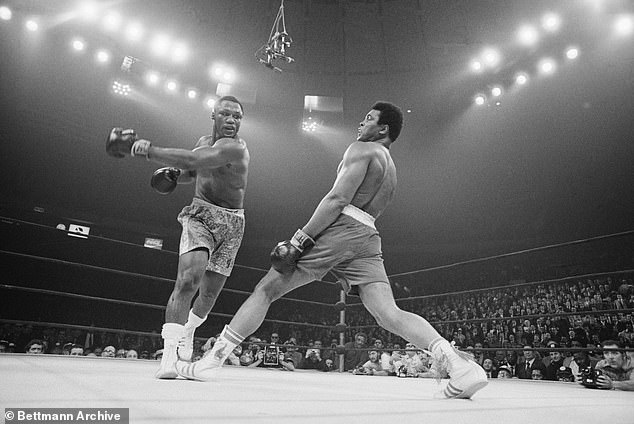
x,y
191,268
467,377
209,289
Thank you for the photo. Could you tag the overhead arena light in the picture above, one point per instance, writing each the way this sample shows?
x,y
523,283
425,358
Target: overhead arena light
x,y
5,13
152,78
572,53
309,125
171,86
491,57
78,44
546,66
527,35
192,94
551,22
102,56
120,88
479,99
32,25
134,31
496,91
112,21
624,25
210,102
88,10
475,65
521,78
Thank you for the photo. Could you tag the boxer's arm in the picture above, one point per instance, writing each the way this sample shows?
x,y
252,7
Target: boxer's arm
x,y
350,176
220,154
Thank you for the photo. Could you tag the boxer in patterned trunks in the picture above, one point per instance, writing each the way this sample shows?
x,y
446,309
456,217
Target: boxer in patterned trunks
x,y
213,224
341,236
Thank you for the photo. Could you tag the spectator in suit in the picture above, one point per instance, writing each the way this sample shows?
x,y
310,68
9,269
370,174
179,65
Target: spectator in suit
x,y
34,347
524,370
354,358
556,361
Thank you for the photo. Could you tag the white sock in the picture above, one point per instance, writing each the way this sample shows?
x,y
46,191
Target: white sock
x,y
194,321
441,347
172,333
231,337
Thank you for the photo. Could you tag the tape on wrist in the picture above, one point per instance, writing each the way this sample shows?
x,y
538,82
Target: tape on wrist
x,y
301,240
141,148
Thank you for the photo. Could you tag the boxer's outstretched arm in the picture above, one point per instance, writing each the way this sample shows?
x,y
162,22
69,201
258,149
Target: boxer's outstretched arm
x,y
350,176
220,154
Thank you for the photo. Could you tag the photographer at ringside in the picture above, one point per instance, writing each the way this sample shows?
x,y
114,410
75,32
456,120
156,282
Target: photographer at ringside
x,y
616,368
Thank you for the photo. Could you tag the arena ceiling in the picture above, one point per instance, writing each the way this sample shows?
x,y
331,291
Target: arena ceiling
x,y
552,163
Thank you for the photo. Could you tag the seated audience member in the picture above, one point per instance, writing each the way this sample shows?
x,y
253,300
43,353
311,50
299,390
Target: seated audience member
x,y
565,374
372,366
108,352
616,367
76,350
131,354
504,372
556,362
34,347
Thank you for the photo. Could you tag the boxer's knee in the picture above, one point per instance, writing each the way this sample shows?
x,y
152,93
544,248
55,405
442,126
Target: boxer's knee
x,y
187,283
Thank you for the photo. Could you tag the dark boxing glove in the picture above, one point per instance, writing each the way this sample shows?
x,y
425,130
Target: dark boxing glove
x,y
164,180
286,253
122,142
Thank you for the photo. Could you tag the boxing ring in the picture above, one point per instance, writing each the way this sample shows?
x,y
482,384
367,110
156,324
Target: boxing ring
x,y
254,395
240,394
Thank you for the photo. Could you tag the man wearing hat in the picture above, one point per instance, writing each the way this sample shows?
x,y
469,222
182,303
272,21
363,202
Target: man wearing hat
x,y
556,362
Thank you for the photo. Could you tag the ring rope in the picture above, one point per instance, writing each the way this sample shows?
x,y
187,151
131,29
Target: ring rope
x,y
134,274
89,236
130,303
517,317
529,283
519,252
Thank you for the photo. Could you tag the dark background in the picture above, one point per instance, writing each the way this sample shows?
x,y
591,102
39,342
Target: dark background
x,y
551,164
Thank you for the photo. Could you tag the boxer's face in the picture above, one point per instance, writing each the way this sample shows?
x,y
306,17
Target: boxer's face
x,y
227,118
369,129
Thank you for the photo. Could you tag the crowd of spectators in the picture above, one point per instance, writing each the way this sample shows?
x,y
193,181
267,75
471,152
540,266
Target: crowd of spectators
x,y
532,331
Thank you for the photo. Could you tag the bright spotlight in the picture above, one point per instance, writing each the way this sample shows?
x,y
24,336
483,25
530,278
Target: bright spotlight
x,y
78,44
121,88
171,86
310,125
160,44
572,53
151,78
180,52
551,22
112,21
527,35
491,57
32,25
521,79
210,102
5,13
546,66
475,65
102,56
88,10
192,94
479,99
624,25
134,31
496,91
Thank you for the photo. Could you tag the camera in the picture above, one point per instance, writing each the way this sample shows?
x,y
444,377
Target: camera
x,y
589,377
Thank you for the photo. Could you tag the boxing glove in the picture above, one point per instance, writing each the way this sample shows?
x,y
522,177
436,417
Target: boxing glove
x,y
122,142
164,180
286,253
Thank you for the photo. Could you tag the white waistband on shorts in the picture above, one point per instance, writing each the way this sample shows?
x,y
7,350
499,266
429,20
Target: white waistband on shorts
x,y
360,215
239,212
